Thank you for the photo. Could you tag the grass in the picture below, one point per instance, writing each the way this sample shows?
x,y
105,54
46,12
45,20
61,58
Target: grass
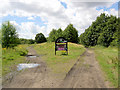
x,y
59,63
108,60
0,61
11,57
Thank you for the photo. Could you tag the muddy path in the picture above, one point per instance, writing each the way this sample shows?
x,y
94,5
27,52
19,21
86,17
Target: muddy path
x,y
85,73
38,77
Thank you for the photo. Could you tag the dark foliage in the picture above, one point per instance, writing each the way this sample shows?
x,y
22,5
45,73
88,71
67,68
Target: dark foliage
x,y
103,32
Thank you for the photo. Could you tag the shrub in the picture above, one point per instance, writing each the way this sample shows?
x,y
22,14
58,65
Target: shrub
x,y
21,50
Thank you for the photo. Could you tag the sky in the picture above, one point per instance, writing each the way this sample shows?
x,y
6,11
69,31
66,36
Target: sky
x,y
41,16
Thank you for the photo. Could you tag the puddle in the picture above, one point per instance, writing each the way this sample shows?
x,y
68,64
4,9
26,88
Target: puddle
x,y
24,66
31,56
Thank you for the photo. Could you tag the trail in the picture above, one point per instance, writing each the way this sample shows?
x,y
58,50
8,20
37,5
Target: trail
x,y
39,77
85,73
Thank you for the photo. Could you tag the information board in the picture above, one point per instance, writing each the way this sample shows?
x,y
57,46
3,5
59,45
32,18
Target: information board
x,y
61,45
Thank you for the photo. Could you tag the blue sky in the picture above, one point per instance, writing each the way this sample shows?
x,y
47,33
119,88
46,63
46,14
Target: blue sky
x,y
35,17
114,5
64,4
19,20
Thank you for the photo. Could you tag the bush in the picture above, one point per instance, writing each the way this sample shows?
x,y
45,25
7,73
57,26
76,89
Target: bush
x,y
21,50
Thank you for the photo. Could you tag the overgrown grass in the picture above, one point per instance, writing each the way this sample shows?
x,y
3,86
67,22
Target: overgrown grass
x,y
108,59
59,63
11,57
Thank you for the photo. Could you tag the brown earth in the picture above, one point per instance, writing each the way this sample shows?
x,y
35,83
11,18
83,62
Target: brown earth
x,y
39,77
85,73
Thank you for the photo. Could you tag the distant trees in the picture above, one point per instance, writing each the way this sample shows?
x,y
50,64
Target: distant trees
x,y
26,41
40,38
103,32
9,35
54,34
70,33
31,41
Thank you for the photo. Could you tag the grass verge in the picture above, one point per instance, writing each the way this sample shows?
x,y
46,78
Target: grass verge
x,y
11,57
108,60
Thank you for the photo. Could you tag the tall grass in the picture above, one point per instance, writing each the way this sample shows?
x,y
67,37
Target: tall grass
x,y
108,59
11,57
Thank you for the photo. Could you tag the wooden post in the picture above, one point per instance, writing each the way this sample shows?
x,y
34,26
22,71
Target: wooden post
x,y
67,47
55,48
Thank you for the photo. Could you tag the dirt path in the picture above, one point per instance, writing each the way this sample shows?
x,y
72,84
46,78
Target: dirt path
x,y
86,73
38,77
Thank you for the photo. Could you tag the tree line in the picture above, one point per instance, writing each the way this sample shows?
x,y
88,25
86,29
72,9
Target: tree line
x,y
10,37
103,31
70,33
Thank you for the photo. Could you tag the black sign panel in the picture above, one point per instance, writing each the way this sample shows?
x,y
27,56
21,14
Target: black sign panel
x,y
61,45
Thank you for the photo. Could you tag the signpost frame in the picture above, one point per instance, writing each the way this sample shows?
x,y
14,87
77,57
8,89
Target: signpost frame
x,y
61,44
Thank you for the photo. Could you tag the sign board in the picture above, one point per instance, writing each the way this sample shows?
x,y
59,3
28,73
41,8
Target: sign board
x,y
61,45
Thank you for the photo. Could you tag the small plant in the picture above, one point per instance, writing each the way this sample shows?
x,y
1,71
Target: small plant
x,y
21,50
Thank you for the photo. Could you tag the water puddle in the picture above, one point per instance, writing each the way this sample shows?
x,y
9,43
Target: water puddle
x,y
24,66
31,56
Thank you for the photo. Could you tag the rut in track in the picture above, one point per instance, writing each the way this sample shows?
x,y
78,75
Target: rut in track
x,y
86,73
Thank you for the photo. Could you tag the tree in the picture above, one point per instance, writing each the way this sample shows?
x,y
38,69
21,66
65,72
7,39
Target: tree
x,y
53,35
40,38
31,41
23,41
71,34
59,33
9,35
101,32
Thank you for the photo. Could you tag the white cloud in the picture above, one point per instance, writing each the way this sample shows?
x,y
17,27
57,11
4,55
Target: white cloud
x,y
28,29
79,13
31,18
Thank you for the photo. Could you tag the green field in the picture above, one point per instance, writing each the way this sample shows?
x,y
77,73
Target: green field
x,y
59,63
108,60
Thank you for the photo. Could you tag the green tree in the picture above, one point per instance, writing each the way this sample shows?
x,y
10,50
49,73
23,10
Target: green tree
x,y
59,33
71,34
53,35
40,38
9,35
101,32
31,41
23,41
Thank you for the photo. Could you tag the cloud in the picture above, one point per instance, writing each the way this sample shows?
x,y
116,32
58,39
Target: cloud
x,y
78,12
28,29
30,18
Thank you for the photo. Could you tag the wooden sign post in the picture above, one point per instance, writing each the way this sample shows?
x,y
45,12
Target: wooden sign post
x,y
61,44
